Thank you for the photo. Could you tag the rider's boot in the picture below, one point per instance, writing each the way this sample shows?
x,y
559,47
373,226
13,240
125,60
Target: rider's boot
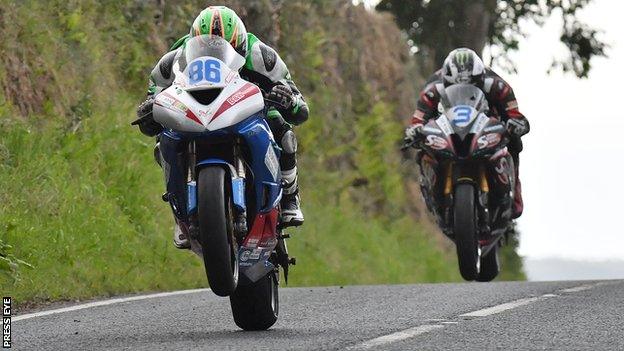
x,y
291,209
291,214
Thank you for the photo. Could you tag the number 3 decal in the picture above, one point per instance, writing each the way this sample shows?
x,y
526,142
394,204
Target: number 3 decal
x,y
462,114
209,70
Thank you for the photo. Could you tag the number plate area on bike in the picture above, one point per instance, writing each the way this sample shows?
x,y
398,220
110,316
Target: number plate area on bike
x,y
461,116
207,72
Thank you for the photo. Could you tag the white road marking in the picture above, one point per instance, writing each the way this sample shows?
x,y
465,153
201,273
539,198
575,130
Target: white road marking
x,y
578,288
503,307
423,329
105,303
398,336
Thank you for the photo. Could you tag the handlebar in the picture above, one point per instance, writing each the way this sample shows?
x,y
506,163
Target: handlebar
x,y
140,119
409,143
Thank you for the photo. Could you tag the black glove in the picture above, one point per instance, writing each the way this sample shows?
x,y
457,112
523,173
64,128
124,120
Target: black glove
x,y
281,97
413,132
517,126
147,124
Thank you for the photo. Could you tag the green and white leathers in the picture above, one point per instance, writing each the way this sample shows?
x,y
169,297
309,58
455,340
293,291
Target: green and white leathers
x,y
263,67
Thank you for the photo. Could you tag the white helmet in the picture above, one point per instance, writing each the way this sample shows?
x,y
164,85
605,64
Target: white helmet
x,y
463,66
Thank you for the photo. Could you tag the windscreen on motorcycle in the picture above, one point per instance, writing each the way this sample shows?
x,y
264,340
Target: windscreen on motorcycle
x,y
463,94
212,46
462,103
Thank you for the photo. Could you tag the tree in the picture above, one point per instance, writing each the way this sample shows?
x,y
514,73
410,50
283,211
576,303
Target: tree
x,y
435,27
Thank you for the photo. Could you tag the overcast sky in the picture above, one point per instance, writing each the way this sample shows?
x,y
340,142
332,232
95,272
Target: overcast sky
x,y
571,169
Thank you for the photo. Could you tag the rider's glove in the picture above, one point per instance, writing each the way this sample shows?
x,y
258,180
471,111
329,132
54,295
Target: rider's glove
x,y
517,126
413,133
281,97
147,124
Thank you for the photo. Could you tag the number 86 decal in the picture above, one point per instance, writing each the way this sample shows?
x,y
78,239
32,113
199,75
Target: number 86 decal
x,y
209,70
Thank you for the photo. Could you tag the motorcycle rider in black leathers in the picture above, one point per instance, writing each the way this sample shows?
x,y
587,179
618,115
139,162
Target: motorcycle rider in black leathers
x,y
463,66
263,67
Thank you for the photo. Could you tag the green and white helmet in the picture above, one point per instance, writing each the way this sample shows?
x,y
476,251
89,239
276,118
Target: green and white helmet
x,y
463,66
224,22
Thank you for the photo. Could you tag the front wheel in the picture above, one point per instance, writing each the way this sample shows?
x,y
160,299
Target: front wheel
x,y
489,266
256,306
214,210
465,229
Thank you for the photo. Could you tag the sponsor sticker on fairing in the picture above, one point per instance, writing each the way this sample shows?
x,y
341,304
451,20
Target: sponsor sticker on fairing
x,y
488,140
502,170
436,143
245,255
180,106
255,254
230,76
166,100
238,96
444,125
479,124
270,160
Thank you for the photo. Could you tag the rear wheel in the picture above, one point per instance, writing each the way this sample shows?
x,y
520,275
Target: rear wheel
x,y
464,227
256,306
214,209
489,266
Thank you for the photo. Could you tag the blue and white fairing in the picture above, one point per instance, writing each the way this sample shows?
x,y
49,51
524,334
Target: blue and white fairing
x,y
207,93
264,164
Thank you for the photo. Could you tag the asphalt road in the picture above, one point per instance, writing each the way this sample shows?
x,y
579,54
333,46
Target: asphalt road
x,y
477,316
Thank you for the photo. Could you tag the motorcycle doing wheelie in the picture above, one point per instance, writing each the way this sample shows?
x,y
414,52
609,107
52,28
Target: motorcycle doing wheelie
x,y
467,178
231,210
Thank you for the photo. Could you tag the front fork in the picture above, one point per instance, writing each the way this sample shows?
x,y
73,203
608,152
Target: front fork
x,y
238,190
178,159
480,181
483,195
237,174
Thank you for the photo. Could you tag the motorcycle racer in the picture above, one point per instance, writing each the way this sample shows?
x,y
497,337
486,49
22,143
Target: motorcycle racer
x,y
263,67
463,66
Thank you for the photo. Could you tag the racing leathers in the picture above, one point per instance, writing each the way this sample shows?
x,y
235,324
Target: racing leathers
x,y
263,67
502,104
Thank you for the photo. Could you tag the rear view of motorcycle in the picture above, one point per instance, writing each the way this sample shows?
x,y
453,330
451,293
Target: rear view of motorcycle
x,y
233,188
467,179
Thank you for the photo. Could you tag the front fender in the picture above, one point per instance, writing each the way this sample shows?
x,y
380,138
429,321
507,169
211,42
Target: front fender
x,y
238,184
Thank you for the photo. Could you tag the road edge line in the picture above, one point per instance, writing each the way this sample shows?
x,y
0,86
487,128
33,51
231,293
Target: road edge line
x,y
397,336
105,303
484,312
